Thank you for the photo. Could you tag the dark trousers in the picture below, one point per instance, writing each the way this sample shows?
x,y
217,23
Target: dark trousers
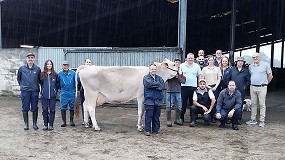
x,y
242,99
29,101
152,118
216,94
194,111
187,94
235,117
48,107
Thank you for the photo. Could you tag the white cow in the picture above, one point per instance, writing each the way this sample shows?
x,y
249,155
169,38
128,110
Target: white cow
x,y
117,84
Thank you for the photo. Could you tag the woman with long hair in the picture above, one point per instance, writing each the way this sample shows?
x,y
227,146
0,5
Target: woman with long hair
x,y
226,73
48,94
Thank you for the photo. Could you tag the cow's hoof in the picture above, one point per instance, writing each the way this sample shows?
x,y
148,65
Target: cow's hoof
x,y
140,129
97,129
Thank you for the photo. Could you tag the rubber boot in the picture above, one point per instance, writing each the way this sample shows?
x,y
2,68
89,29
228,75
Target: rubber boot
x,y
182,118
71,118
26,120
63,117
168,117
178,120
35,119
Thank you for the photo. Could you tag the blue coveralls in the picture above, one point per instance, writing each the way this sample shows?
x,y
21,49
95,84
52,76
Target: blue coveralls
x,y
153,97
67,89
29,79
49,92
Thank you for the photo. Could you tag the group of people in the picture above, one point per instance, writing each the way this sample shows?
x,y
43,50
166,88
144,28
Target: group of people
x,y
211,87
32,81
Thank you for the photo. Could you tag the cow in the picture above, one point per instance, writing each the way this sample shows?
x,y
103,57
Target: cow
x,y
118,84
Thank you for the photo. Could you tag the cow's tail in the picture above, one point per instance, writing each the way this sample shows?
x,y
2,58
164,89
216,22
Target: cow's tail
x,y
76,104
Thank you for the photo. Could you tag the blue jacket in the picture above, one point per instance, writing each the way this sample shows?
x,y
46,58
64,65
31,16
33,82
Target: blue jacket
x,y
226,76
242,78
153,90
66,82
49,87
227,101
29,78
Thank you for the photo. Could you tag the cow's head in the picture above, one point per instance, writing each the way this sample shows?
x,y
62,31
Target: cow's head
x,y
166,69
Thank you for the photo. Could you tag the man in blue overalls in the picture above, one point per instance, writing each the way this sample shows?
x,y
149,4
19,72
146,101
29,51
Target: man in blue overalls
x,y
28,78
66,80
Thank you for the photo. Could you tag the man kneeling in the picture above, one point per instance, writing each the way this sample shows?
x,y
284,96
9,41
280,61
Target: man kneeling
x,y
203,103
229,105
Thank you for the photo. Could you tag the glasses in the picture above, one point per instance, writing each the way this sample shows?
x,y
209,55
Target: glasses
x,y
255,57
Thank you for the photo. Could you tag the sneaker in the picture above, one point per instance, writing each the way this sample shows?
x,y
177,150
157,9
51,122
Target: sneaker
x,y
147,133
251,122
261,124
192,124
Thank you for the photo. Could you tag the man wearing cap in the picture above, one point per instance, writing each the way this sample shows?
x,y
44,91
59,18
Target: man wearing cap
x,y
241,76
261,76
28,78
203,103
66,81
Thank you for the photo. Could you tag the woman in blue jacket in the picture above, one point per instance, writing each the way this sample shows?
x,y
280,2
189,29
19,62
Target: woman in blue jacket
x,y
48,94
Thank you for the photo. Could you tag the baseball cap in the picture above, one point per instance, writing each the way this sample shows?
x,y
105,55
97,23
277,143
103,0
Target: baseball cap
x,y
240,59
202,80
65,62
30,54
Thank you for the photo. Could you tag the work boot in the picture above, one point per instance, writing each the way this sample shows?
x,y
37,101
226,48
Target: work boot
x,y
71,118
63,117
35,119
178,120
26,120
168,117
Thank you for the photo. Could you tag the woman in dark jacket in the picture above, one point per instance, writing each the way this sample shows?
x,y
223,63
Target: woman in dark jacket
x,y
48,94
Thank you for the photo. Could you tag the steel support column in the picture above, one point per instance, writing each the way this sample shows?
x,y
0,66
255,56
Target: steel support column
x,y
0,24
232,32
182,18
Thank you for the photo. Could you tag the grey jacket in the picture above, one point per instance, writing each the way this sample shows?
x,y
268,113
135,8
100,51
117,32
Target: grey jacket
x,y
174,84
227,101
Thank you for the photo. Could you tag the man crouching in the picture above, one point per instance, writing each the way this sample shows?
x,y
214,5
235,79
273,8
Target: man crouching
x,y
229,105
203,103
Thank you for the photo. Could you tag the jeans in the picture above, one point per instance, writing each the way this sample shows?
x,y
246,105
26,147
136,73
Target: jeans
x,y
169,100
235,117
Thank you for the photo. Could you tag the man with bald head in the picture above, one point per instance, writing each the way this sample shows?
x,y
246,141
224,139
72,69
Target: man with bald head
x,y
261,75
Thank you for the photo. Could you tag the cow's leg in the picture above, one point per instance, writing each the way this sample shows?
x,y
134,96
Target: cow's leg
x,y
90,104
140,98
93,118
86,115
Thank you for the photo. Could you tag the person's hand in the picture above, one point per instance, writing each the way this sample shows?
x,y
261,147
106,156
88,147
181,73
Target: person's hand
x,y
218,116
231,113
207,112
205,108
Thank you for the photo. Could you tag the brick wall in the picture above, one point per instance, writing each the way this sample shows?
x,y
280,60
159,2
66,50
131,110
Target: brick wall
x,y
10,61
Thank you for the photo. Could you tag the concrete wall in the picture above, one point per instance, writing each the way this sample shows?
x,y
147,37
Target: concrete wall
x,y
10,61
